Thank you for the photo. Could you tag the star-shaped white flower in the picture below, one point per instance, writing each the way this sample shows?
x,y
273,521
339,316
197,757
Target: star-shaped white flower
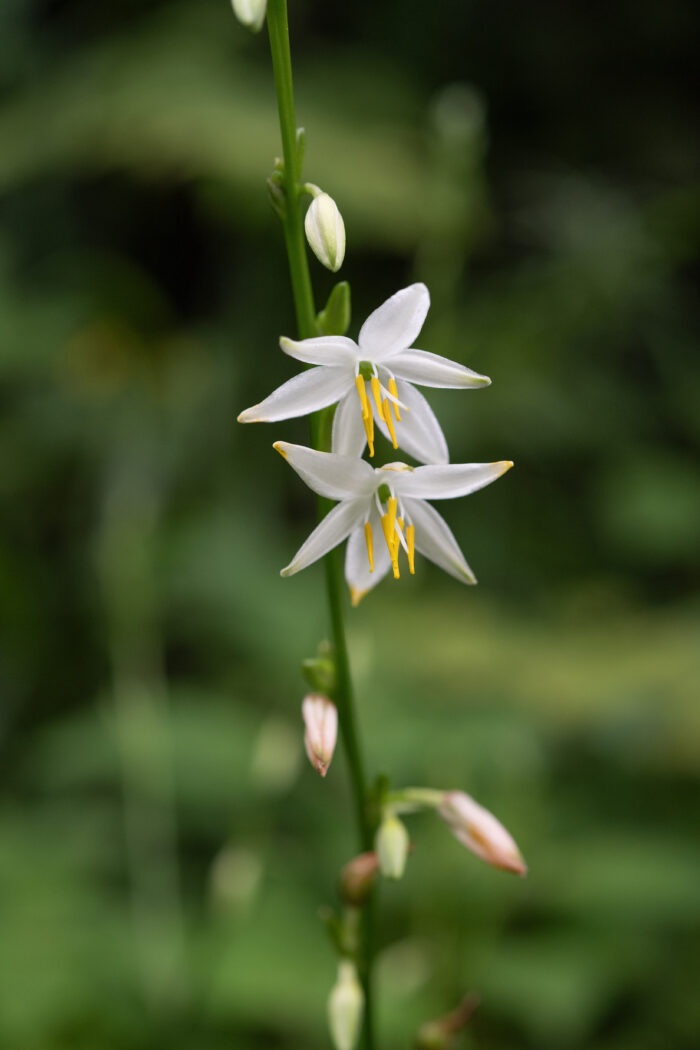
x,y
388,502
370,379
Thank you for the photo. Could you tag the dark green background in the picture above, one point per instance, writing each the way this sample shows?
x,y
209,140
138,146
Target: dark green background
x,y
164,847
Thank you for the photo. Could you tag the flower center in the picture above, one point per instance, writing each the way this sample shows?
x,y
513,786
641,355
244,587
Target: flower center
x,y
384,400
395,535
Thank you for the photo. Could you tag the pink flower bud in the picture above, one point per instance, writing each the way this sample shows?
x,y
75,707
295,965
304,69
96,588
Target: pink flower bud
x,y
321,720
479,831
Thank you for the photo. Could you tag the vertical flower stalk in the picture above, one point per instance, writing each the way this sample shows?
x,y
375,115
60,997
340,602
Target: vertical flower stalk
x,y
320,434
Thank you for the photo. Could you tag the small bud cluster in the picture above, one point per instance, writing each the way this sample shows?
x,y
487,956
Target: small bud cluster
x,y
471,824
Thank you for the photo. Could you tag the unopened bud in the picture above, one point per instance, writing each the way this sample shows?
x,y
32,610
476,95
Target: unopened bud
x,y
319,672
345,1006
321,720
392,844
250,12
480,832
325,231
357,878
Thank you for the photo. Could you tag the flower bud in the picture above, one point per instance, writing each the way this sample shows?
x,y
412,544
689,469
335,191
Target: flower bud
x,y
345,1006
392,845
479,831
321,720
250,12
357,878
325,231
319,671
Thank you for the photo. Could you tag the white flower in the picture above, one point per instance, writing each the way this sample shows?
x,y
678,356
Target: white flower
x,y
385,501
250,12
372,378
479,831
325,231
321,730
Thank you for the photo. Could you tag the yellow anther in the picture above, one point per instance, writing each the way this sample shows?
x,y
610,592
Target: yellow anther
x,y
368,421
389,527
386,412
411,542
377,391
370,545
394,393
360,384
400,521
391,505
366,413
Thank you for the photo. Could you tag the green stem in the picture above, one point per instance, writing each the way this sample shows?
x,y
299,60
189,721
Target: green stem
x,y
278,29
293,228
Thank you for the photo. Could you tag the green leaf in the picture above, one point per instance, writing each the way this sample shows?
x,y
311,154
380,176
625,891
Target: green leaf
x,y
334,319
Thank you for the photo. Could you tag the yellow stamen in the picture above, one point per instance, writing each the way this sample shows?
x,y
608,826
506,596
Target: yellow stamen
x,y
366,413
377,391
389,421
394,393
411,541
391,505
360,384
389,536
370,546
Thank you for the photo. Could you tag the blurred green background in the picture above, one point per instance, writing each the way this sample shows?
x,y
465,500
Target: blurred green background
x,y
164,847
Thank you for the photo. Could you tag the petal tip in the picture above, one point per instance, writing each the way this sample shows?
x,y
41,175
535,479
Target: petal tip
x,y
505,465
250,415
279,447
356,596
516,865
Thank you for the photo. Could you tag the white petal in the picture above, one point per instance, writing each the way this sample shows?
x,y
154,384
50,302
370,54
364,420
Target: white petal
x,y
336,477
307,392
418,432
349,438
446,481
322,350
426,369
336,525
357,575
395,324
435,540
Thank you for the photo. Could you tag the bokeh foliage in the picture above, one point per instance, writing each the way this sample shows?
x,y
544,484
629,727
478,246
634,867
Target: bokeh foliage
x,y
163,848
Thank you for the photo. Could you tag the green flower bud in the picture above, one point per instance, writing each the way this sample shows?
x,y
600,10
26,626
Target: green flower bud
x,y
392,845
